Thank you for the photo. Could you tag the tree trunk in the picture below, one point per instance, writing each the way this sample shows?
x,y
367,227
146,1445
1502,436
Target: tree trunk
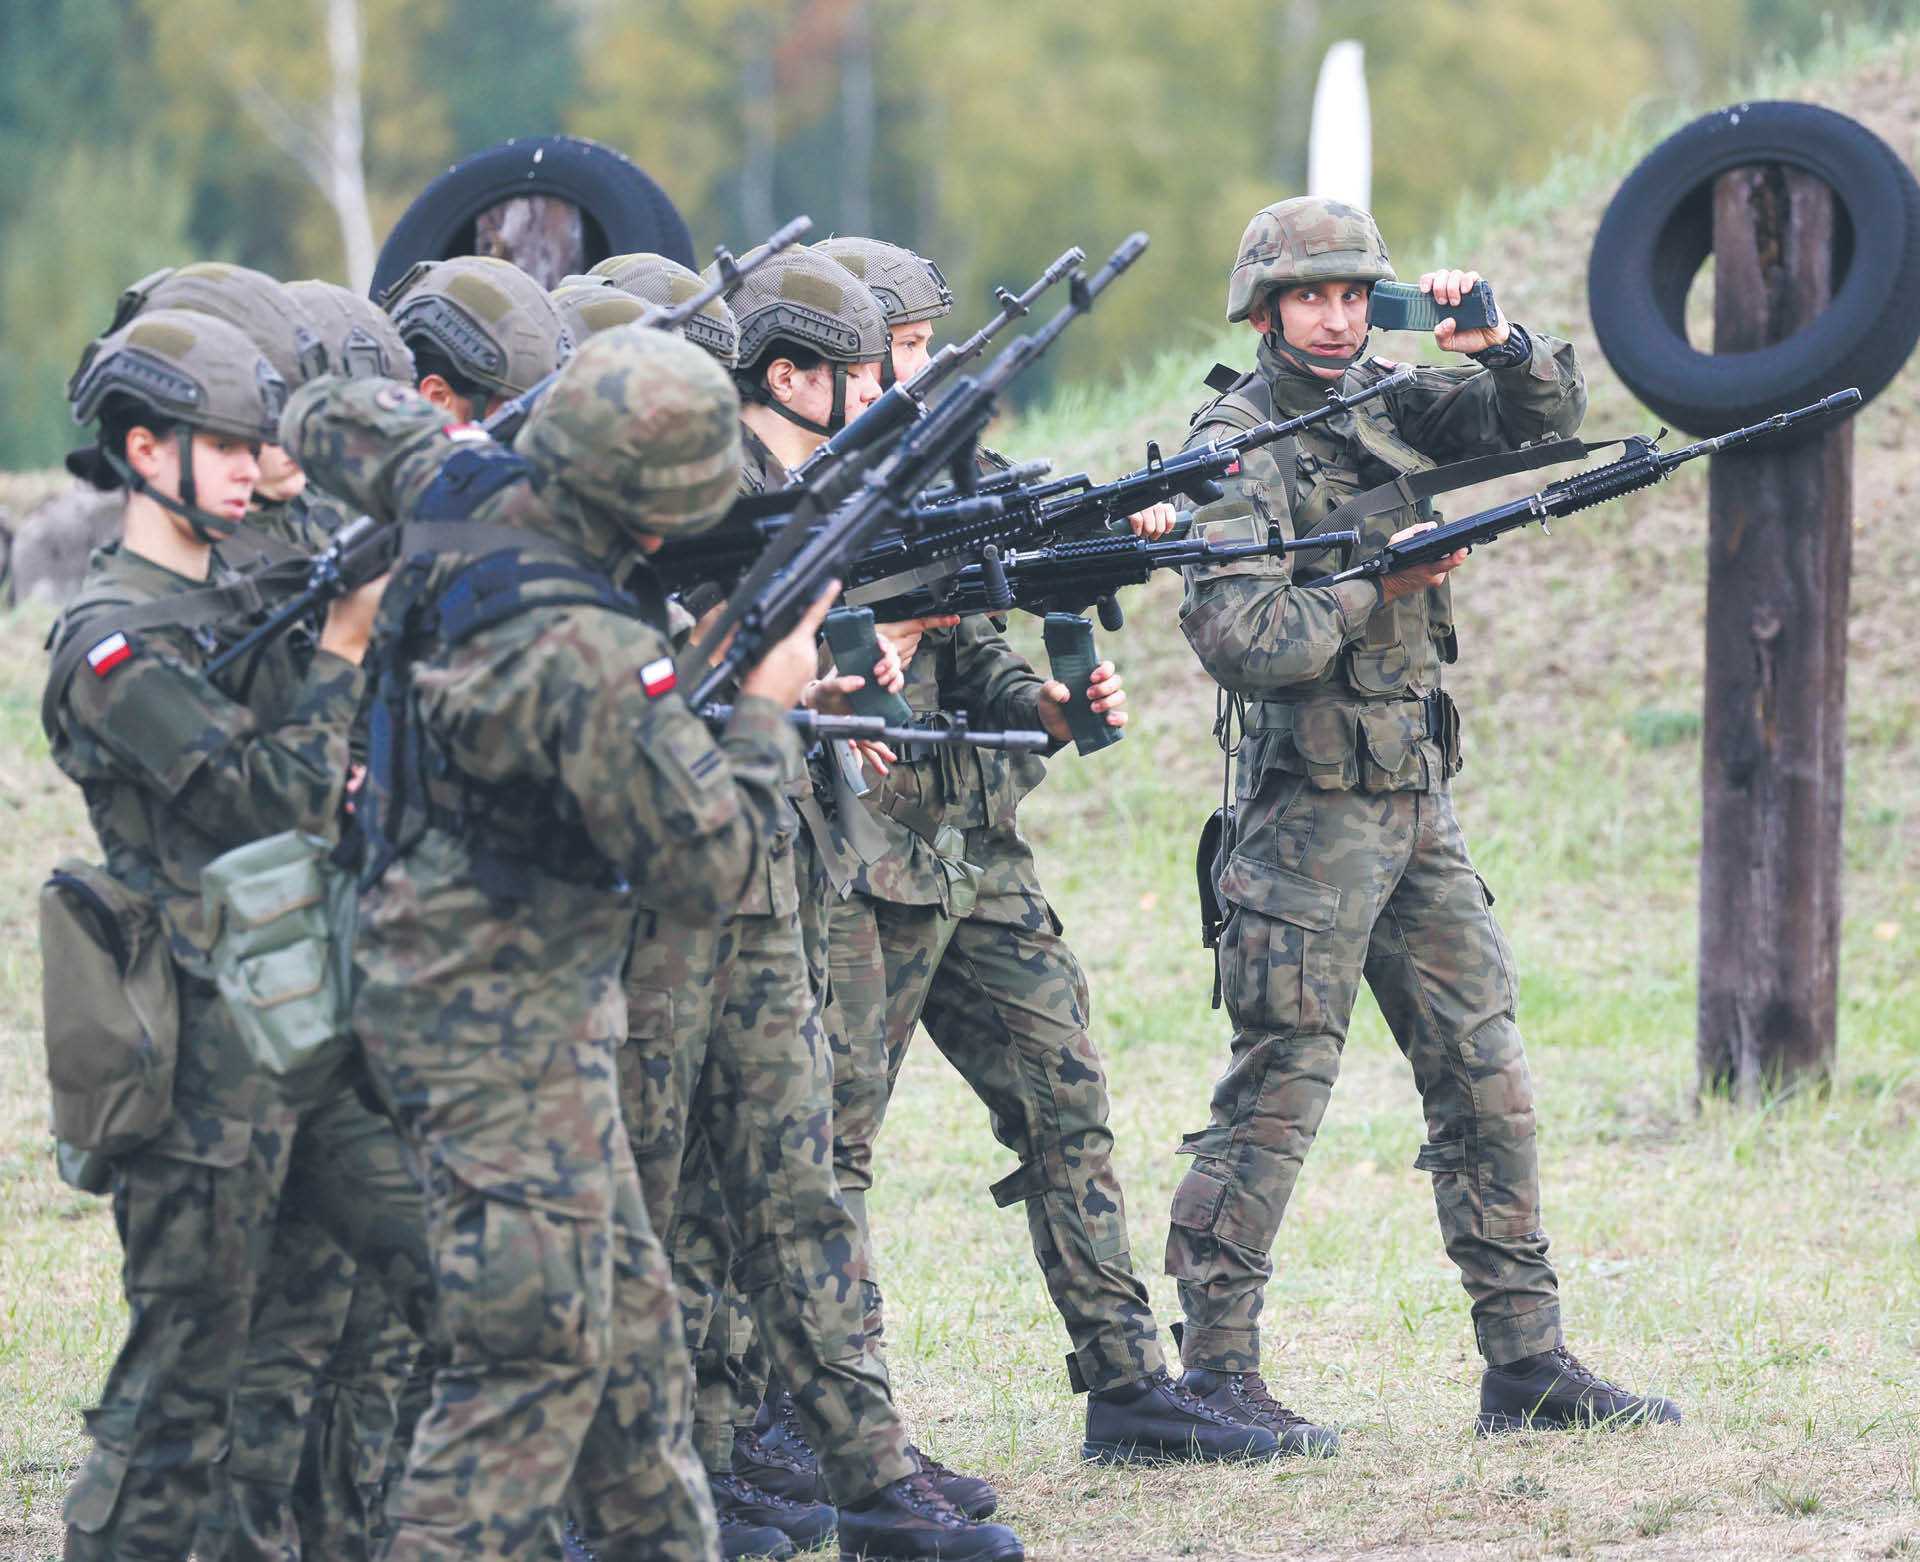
x,y
541,234
346,184
856,121
1780,542
759,118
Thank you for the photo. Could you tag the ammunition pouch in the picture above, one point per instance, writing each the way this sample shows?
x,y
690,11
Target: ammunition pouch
x,y
112,1012
1216,839
283,952
1406,745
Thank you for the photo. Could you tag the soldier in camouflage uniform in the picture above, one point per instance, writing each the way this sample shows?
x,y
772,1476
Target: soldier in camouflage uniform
x,y
1345,859
949,928
480,329
177,769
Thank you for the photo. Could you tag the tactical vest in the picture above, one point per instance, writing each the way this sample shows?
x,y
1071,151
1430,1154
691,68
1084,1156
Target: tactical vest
x,y
1407,640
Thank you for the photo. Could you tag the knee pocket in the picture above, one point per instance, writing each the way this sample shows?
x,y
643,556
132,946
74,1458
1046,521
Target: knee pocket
x,y
1276,949
519,1283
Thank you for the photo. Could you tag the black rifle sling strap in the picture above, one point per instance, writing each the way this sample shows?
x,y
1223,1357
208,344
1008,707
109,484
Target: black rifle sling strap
x,y
1410,488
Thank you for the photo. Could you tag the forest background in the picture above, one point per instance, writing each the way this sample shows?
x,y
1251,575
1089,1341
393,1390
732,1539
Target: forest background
x,y
989,134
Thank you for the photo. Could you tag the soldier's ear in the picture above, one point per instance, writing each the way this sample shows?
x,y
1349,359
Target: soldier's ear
x,y
1260,314
147,453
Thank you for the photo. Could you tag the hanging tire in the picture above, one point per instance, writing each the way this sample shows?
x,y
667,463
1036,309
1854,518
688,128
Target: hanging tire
x,y
1658,229
624,212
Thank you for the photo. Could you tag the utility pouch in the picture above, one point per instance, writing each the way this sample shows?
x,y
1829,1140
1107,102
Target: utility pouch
x,y
283,955
112,1011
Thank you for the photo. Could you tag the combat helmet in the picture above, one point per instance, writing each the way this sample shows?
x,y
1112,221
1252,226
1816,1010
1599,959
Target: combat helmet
x,y
193,370
590,305
667,283
258,304
908,287
361,342
641,426
485,316
1306,239
812,301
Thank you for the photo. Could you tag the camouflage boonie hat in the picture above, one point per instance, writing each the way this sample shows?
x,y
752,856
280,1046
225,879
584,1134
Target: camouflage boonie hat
x,y
258,304
810,299
1305,239
190,368
667,283
361,342
644,426
491,320
590,305
909,287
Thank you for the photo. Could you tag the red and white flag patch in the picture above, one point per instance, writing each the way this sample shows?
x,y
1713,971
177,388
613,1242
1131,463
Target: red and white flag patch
x,y
658,677
109,654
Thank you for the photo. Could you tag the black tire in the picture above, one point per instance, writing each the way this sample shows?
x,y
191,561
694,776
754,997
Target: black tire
x,y
625,211
1659,228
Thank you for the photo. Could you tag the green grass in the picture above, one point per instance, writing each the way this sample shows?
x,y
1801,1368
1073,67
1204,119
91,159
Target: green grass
x,y
1762,1267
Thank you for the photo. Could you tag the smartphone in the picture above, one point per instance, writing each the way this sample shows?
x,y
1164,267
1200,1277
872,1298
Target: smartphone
x,y
1401,306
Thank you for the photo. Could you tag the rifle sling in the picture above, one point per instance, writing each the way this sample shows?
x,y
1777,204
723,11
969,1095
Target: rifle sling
x,y
1409,488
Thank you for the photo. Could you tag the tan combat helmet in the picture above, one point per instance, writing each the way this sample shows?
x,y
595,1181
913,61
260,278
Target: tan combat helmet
x,y
907,286
258,304
667,283
193,370
485,316
807,300
644,428
1305,239
590,305
361,341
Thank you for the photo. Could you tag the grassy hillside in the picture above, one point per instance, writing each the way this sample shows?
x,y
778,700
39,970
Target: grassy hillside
x,y
1764,1269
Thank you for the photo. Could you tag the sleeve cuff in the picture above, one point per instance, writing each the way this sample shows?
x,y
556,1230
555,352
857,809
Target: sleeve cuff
x,y
1358,601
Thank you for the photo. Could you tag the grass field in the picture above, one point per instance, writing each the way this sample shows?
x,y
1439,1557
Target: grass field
x,y
1762,1268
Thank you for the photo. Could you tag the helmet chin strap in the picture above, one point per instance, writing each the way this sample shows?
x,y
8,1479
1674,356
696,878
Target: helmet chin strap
x,y
1276,338
836,419
209,528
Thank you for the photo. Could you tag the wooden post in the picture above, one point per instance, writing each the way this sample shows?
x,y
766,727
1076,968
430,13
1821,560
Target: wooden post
x,y
1780,540
541,234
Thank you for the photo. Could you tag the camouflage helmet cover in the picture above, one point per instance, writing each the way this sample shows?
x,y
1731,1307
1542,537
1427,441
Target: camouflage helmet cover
x,y
808,298
490,319
909,287
258,304
1305,239
667,283
362,343
590,305
190,368
644,426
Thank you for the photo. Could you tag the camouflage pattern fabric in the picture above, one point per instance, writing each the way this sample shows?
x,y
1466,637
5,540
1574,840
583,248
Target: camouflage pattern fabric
x,y
175,772
1347,860
492,1005
1305,239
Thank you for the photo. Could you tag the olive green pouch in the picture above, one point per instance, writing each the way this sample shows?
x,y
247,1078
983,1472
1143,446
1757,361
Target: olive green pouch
x,y
283,955
112,1011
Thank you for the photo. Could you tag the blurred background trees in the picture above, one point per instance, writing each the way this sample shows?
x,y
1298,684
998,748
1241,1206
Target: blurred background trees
x,y
988,134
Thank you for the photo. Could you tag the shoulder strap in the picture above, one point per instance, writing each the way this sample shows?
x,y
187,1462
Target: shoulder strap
x,y
473,474
1410,488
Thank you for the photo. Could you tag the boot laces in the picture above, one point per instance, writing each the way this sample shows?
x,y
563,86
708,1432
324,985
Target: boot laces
x,y
744,1492
1251,1389
1571,1366
768,1453
1186,1399
930,1465
918,1492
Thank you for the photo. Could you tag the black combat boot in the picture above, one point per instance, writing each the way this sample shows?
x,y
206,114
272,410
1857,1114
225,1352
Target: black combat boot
x,y
910,1521
753,1540
785,1467
971,1495
1244,1397
1553,1390
1155,1420
739,1501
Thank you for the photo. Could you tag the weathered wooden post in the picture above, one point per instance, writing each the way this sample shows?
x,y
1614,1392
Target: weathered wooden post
x,y
1780,545
543,235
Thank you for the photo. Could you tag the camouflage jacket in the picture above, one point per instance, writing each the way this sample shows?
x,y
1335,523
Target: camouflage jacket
x,y
177,767
1332,673
566,711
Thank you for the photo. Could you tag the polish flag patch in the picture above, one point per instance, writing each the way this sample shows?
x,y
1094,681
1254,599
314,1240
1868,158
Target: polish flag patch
x,y
467,433
658,678
109,654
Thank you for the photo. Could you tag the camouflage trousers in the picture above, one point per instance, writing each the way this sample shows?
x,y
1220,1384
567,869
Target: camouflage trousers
x,y
198,1213
1007,1004
1340,886
564,1384
315,1407
726,1079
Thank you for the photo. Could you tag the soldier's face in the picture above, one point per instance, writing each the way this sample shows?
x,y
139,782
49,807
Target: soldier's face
x,y
910,345
809,392
280,474
1322,317
224,474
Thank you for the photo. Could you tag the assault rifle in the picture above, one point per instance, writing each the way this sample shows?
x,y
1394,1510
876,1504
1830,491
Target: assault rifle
x,y
815,727
363,549
1642,465
792,572
907,563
